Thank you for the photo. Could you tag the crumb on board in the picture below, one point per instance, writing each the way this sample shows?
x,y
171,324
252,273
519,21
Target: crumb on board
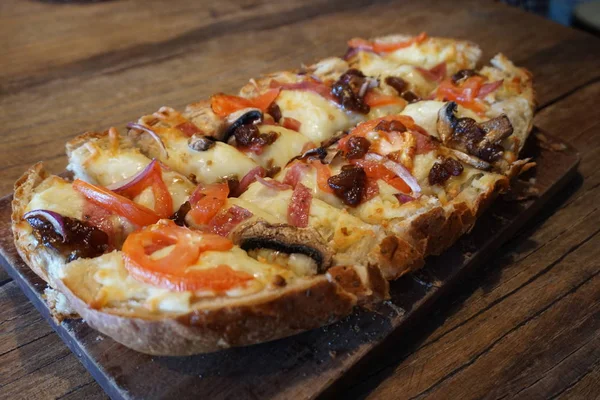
x,y
547,144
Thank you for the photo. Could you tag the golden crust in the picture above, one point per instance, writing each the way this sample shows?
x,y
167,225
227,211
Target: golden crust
x,y
270,315
267,317
23,191
82,139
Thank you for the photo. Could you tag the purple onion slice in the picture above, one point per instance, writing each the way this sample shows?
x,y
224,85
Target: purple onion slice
x,y
154,135
119,187
399,170
403,198
54,218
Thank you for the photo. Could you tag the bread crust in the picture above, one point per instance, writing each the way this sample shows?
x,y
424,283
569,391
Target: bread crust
x,y
28,249
267,317
82,139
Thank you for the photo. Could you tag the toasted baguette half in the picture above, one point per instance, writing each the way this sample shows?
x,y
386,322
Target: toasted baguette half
x,y
205,324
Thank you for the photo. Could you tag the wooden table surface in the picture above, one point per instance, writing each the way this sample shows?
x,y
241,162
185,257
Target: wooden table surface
x,y
526,325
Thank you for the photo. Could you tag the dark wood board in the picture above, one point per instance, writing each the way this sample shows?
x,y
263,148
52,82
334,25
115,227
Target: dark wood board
x,y
306,365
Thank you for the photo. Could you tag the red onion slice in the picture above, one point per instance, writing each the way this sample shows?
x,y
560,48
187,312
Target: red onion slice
x,y
398,169
54,218
369,83
154,135
121,186
403,198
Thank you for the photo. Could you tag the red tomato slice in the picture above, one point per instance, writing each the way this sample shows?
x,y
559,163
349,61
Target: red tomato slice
x,y
171,271
188,128
385,47
264,100
365,127
291,123
375,170
424,143
323,174
374,99
371,190
117,204
465,94
224,104
206,202
101,219
163,202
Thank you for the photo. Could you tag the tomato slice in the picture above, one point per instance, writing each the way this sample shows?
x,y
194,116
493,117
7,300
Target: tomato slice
x,y
117,204
375,170
323,174
291,123
172,271
465,94
206,202
163,202
385,47
225,104
365,127
188,128
374,99
264,100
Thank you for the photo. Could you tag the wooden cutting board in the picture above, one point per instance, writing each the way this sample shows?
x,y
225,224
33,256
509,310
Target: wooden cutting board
x,y
316,362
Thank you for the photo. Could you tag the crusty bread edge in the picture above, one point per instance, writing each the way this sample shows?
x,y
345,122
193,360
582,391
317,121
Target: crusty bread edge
x,y
23,191
306,305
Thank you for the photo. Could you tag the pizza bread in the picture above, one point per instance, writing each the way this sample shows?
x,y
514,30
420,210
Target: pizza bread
x,y
329,230
157,320
249,217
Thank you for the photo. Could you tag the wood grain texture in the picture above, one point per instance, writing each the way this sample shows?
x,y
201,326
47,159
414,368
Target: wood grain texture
x,y
70,68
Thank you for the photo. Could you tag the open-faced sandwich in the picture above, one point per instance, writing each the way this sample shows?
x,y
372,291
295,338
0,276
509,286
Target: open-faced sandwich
x,y
250,217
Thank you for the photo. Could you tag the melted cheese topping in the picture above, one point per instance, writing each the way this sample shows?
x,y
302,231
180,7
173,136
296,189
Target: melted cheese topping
x,y
425,114
301,264
56,194
288,145
105,282
348,236
258,211
320,118
108,167
386,210
373,65
210,166
433,51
